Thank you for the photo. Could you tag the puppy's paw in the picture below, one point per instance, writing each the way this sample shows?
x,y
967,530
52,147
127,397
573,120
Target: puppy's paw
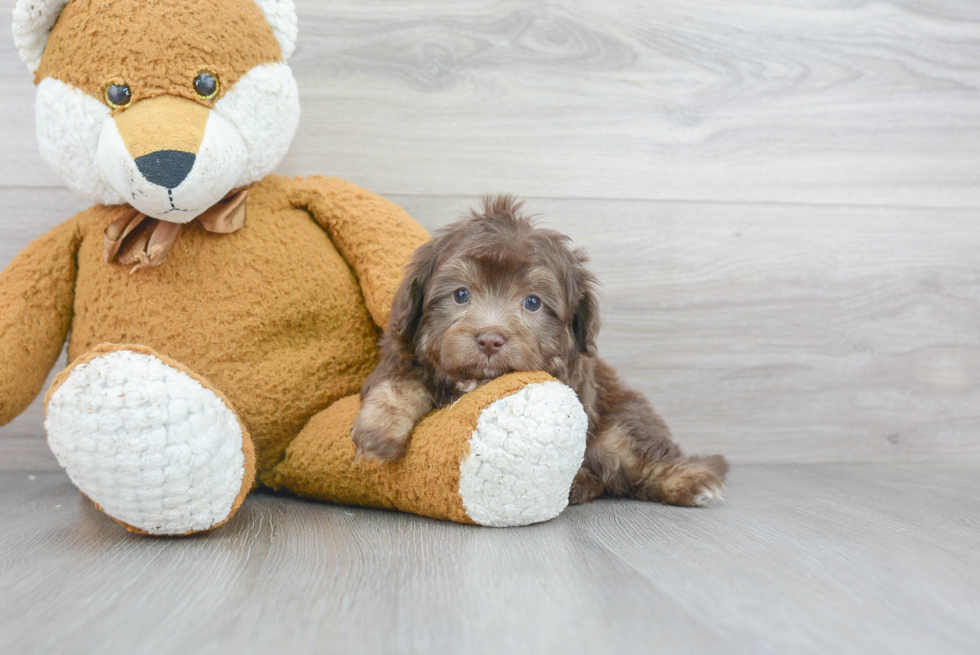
x,y
684,483
693,488
706,493
388,414
586,487
384,438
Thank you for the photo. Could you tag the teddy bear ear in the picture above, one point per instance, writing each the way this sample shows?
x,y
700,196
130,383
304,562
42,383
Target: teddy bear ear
x,y
281,15
33,20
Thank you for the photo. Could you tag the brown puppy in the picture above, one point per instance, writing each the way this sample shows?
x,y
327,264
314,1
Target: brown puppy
x,y
493,294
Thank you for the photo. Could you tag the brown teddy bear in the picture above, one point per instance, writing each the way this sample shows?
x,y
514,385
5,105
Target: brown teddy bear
x,y
219,318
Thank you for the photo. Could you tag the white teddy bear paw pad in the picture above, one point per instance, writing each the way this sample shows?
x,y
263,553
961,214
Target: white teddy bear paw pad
x,y
524,454
152,446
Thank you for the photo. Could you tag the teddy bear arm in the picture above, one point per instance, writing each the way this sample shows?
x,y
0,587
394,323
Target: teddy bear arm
x,y
37,291
376,237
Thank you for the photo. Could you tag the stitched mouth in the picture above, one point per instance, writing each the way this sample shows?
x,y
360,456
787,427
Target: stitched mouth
x,y
173,207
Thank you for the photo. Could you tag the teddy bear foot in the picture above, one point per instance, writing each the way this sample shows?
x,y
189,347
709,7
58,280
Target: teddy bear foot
x,y
152,445
524,454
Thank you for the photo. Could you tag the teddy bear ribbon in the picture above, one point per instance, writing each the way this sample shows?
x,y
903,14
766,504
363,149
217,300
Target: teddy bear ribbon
x,y
138,240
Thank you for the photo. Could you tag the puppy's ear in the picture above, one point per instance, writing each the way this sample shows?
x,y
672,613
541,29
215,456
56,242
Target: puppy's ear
x,y
406,308
585,306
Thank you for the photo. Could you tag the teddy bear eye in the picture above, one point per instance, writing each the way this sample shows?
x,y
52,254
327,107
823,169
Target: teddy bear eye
x,y
118,96
461,296
532,303
206,85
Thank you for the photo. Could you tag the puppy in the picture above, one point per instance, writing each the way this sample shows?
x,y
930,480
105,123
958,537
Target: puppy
x,y
492,294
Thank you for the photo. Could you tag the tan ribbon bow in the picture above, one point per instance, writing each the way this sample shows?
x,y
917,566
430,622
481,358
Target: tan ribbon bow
x,y
139,241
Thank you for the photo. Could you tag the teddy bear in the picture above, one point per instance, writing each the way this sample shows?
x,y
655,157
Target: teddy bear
x,y
221,319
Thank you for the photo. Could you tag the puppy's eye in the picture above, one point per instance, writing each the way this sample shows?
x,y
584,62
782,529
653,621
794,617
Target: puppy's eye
x,y
532,303
461,296
118,96
206,86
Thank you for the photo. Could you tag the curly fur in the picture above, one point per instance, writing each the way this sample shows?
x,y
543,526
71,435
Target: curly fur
x,y
437,347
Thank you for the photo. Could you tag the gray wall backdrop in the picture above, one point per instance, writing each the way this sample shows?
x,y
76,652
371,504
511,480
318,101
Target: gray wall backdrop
x,y
781,199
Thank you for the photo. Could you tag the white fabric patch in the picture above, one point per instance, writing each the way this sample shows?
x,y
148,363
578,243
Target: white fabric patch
x,y
264,106
33,20
147,442
69,123
281,15
218,164
524,454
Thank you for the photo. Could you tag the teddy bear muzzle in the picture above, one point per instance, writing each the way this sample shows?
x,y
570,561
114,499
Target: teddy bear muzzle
x,y
170,158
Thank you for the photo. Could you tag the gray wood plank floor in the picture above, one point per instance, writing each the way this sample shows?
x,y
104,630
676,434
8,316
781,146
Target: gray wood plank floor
x,y
797,559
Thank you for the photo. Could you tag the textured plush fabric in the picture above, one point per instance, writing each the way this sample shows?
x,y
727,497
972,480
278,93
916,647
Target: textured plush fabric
x,y
157,47
264,108
277,320
277,315
163,110
36,293
139,241
169,152
281,15
376,237
524,453
151,443
320,462
170,183
32,22
69,125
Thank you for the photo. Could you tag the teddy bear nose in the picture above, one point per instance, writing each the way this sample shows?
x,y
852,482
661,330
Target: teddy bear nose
x,y
490,342
166,168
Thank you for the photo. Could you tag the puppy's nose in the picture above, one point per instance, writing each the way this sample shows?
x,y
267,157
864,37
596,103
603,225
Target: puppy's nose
x,y
490,342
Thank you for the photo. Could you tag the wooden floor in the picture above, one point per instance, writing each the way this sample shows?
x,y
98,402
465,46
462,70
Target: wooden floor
x,y
797,559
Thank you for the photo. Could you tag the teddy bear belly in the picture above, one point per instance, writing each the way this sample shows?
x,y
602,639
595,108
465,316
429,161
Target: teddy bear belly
x,y
271,315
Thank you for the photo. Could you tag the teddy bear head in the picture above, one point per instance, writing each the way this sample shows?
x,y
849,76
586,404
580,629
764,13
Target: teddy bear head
x,y
166,105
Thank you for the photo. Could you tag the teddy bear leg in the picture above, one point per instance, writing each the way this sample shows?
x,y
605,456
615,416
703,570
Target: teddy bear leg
x,y
503,455
153,445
